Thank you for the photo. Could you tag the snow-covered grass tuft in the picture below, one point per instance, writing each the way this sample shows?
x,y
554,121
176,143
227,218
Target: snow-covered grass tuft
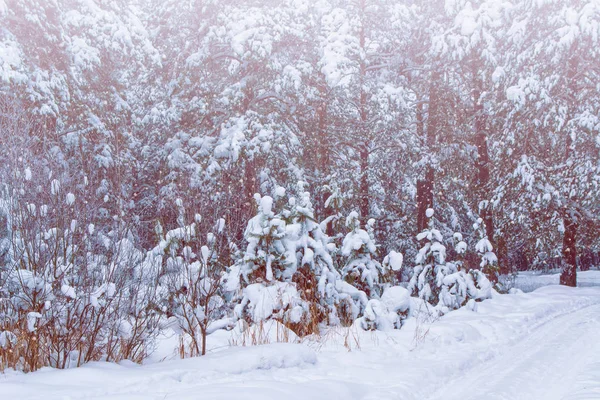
x,y
263,332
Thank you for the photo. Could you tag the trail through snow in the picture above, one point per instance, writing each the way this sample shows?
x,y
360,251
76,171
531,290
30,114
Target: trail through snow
x,y
550,363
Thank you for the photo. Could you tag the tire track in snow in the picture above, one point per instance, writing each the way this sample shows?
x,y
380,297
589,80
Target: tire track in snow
x,y
544,365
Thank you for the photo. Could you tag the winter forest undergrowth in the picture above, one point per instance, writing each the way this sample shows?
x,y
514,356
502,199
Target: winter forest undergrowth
x,y
199,166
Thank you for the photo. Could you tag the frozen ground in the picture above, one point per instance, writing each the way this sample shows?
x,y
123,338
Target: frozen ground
x,y
540,345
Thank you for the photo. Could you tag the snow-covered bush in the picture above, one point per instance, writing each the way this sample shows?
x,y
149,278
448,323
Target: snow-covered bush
x,y
317,279
480,287
430,269
279,300
447,285
485,250
72,293
287,272
386,313
361,269
266,258
191,283
453,288
267,269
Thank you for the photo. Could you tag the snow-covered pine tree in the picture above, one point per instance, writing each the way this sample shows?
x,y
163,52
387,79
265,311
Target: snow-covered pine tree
x,y
267,269
456,285
435,280
288,272
485,250
316,275
318,281
361,269
479,285
460,247
430,261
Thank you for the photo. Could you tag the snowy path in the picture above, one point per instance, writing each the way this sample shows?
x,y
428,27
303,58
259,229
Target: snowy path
x,y
547,364
540,346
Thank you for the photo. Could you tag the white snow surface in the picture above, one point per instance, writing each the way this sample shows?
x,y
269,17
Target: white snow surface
x,y
539,345
528,281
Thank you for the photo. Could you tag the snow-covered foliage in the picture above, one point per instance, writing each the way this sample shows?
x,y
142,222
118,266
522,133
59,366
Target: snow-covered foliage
x,y
120,120
431,268
266,256
393,261
485,250
82,292
388,312
288,272
447,285
361,268
190,285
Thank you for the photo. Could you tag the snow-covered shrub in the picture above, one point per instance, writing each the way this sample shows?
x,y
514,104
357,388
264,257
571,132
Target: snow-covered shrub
x,y
453,288
480,287
192,282
318,282
288,259
361,269
430,269
74,293
434,280
461,287
489,261
265,273
279,300
386,313
447,285
266,258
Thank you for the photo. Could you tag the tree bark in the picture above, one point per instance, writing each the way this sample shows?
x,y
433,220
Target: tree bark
x,y
483,159
424,198
568,274
364,184
364,134
425,186
323,162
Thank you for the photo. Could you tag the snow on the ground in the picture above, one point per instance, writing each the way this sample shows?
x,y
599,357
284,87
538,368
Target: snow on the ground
x,y
540,345
528,281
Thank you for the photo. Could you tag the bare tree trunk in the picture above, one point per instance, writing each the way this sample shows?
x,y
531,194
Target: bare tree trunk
x,y
364,184
323,162
568,274
424,198
203,342
364,201
483,159
425,186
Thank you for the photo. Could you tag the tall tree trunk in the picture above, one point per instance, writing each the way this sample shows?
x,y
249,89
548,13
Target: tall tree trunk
x,y
364,184
323,163
425,186
483,159
568,274
364,201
